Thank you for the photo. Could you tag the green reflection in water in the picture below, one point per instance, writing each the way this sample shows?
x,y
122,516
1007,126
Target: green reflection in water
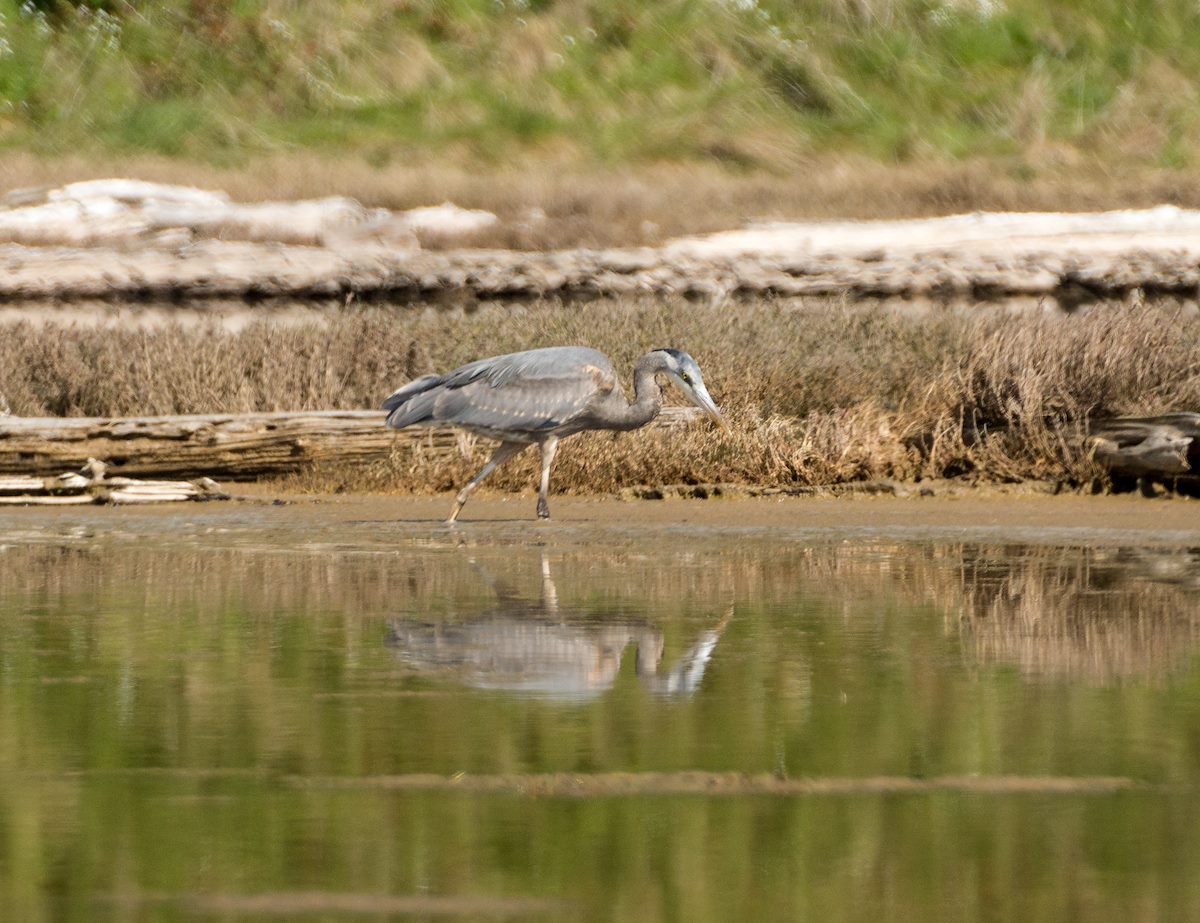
x,y
179,730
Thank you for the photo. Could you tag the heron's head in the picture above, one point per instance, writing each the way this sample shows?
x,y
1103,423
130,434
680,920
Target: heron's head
x,y
683,371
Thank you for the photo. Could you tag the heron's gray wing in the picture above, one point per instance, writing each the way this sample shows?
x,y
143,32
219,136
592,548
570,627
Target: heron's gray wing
x,y
537,364
529,391
521,404
432,383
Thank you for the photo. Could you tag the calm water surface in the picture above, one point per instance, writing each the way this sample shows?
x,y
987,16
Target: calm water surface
x,y
497,730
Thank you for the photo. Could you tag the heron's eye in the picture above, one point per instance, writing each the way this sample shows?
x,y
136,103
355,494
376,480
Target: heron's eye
x,y
687,379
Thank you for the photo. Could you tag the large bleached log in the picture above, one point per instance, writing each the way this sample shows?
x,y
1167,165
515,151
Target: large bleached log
x,y
1165,448
370,266
122,238
131,214
226,446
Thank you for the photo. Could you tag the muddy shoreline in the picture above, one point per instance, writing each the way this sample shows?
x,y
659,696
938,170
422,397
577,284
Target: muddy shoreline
x,y
264,517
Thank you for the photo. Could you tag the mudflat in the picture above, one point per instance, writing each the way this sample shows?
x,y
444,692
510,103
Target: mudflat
x,y
377,521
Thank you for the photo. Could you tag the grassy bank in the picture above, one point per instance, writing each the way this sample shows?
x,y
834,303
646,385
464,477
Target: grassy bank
x,y
742,83
817,393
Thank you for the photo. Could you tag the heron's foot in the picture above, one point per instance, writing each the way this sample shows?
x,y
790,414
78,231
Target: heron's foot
x,y
543,508
453,517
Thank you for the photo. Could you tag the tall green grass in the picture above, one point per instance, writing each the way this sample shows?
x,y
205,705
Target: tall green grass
x,y
748,83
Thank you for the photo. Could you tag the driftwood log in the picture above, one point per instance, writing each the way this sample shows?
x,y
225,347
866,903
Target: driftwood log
x,y
237,269
91,485
1162,449
129,239
227,446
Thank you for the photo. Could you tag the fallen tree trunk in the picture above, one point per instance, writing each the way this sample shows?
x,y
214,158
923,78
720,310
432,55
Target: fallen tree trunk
x,y
246,446
240,269
227,446
1165,448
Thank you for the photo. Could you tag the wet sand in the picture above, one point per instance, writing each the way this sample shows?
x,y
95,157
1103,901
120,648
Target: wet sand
x,y
1124,513
261,515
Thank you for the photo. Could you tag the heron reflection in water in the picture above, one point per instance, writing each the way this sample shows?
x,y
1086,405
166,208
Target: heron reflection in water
x,y
541,396
535,648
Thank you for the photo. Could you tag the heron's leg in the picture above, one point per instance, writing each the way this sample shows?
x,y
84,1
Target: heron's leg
x,y
503,453
549,447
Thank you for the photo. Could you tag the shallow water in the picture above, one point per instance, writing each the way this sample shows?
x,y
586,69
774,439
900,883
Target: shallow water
x,y
733,728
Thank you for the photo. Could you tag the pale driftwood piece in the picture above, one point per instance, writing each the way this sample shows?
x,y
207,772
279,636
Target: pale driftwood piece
x,y
50,500
130,213
210,488
1158,455
1165,448
20,485
121,497
150,490
229,446
89,486
98,492
136,484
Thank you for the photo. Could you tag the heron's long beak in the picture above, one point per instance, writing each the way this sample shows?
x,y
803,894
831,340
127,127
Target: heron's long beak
x,y
702,400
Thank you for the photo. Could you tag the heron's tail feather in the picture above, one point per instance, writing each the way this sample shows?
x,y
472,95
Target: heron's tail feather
x,y
414,387
412,403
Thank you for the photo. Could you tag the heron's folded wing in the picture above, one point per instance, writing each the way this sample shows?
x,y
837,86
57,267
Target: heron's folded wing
x,y
522,392
521,404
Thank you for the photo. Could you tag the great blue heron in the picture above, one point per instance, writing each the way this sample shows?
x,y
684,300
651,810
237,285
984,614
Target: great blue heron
x,y
541,396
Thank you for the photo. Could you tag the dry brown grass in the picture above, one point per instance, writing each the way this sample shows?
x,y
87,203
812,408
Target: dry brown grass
x,y
608,207
817,392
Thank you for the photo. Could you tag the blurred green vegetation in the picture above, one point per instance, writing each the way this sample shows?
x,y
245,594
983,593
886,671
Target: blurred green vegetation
x,y
747,83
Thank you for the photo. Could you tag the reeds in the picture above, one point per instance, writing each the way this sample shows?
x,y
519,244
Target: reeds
x,y
817,392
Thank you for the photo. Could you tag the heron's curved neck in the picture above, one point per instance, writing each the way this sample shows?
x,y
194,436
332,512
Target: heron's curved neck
x,y
647,395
